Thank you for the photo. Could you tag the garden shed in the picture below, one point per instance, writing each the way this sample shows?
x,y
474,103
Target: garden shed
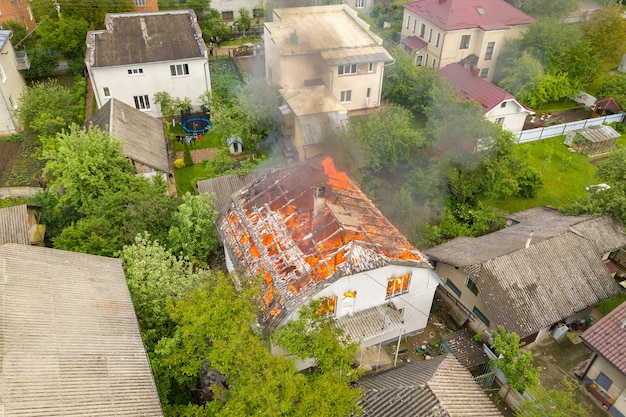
x,y
235,144
592,140
604,106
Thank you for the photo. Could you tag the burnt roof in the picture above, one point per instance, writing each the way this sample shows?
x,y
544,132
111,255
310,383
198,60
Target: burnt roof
x,y
270,228
608,337
168,36
439,387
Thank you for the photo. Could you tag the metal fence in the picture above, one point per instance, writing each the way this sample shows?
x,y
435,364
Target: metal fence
x,y
561,129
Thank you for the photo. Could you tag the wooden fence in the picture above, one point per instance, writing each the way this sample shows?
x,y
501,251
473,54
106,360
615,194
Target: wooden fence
x,y
561,129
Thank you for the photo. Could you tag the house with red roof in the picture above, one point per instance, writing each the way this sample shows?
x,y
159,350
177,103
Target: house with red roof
x,y
498,105
605,376
311,234
470,32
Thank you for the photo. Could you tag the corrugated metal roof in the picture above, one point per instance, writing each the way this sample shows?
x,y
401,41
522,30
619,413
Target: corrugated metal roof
x,y
465,349
143,136
469,86
463,14
277,227
225,186
439,387
168,36
69,339
14,226
367,324
608,337
356,56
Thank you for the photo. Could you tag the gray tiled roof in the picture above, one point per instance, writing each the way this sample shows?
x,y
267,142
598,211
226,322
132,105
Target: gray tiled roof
x,y
14,226
439,387
224,187
168,36
465,349
69,339
608,337
142,135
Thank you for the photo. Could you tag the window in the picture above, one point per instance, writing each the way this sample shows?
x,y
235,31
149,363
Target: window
x,y
430,35
422,30
142,102
489,51
453,287
327,306
360,4
438,39
135,71
500,121
228,16
418,60
346,96
481,316
398,285
3,75
12,101
179,69
469,283
434,62
604,381
503,104
368,93
414,25
370,67
408,20
484,72
140,3
465,41
258,13
106,92
347,69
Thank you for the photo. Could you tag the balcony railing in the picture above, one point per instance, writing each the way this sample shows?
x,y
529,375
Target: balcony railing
x,y
22,60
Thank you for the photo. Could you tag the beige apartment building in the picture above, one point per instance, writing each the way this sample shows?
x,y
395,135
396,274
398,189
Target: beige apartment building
x,y
442,32
328,62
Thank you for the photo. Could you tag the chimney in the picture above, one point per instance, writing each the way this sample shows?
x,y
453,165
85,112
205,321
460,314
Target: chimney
x,y
319,202
530,238
144,30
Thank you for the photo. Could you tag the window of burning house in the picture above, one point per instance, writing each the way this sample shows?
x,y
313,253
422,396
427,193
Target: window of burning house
x,y
398,285
327,307
469,283
347,69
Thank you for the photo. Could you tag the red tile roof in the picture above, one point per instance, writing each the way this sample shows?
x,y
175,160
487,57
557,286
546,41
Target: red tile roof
x,y
414,43
469,14
473,87
608,337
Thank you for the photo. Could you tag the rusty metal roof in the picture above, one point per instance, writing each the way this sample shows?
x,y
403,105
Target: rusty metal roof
x,y
304,226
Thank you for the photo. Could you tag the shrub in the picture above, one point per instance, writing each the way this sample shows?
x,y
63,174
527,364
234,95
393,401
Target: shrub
x,y
179,163
529,183
15,137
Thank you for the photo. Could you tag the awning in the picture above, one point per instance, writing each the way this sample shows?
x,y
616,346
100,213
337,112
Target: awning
x,y
372,323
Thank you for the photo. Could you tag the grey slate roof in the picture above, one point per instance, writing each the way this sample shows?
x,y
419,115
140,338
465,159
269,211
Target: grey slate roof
x,y
439,387
608,337
69,339
168,36
465,349
560,273
224,187
143,135
14,226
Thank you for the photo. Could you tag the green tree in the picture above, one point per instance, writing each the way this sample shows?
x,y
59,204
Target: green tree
x,y
243,22
42,64
614,86
86,164
547,38
193,233
216,329
66,36
155,277
515,364
256,109
93,13
549,87
554,402
550,8
522,75
47,108
606,31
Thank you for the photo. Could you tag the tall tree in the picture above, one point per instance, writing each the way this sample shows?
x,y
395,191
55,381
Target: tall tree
x,y
65,36
614,86
554,402
522,75
193,233
515,364
606,31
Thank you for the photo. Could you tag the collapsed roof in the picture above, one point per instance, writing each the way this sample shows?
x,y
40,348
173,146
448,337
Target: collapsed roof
x,y
304,226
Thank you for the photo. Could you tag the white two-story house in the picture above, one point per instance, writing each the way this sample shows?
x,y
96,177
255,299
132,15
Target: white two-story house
x,y
11,83
140,54
328,62
312,234
442,32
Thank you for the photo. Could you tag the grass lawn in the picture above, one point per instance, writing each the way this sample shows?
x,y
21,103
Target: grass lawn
x,y
208,140
609,305
565,175
557,106
186,177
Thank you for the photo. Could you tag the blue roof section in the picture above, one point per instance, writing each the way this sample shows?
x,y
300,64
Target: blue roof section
x,y
4,35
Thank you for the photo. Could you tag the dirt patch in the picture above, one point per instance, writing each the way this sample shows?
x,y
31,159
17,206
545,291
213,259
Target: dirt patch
x,y
17,164
541,119
199,155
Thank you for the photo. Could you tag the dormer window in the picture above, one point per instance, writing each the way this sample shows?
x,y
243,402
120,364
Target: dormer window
x,y
481,11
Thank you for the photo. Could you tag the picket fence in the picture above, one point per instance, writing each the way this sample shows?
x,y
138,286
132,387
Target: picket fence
x,y
561,129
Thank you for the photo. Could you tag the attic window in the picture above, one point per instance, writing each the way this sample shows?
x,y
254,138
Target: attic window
x,y
481,11
398,285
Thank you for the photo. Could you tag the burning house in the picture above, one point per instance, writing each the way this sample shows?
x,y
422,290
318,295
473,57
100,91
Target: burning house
x,y
312,234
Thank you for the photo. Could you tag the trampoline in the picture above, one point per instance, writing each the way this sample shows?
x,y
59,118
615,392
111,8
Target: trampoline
x,y
196,125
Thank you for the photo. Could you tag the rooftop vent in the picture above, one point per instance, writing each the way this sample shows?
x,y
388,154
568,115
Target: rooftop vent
x,y
623,324
481,11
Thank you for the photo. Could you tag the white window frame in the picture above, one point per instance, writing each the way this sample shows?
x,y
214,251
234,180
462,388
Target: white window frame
x,y
179,70
133,72
140,3
3,75
418,60
422,30
491,46
142,102
438,39
484,73
360,4
346,96
465,41
13,102
106,91
347,69
370,67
